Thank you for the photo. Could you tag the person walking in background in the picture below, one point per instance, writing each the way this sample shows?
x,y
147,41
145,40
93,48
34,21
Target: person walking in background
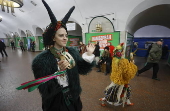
x,y
21,45
153,59
97,53
2,49
13,45
33,46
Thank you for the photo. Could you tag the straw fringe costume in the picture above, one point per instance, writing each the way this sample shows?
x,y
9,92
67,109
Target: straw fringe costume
x,y
123,71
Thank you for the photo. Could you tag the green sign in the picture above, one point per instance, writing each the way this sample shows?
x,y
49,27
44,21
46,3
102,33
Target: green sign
x,y
103,38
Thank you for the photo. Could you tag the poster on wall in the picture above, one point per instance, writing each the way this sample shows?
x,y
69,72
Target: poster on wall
x,y
103,38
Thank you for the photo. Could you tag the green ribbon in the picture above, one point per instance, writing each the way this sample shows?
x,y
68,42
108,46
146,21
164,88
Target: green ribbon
x,y
36,86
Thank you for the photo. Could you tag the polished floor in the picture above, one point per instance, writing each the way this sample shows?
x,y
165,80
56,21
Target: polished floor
x,y
147,94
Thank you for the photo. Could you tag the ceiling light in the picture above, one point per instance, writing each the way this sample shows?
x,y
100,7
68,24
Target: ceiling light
x,y
12,4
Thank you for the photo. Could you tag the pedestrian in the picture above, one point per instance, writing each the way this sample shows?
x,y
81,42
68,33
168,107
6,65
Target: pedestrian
x,y
13,45
2,49
33,46
21,45
153,60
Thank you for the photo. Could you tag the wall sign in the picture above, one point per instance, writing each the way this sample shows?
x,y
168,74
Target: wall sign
x,y
103,40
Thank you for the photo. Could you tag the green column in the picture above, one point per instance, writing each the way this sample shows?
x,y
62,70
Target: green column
x,y
17,41
41,45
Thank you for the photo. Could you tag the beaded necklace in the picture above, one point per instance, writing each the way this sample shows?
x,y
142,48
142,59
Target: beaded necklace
x,y
63,55
57,52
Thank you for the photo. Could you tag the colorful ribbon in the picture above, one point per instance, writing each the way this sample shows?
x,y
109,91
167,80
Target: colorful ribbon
x,y
32,85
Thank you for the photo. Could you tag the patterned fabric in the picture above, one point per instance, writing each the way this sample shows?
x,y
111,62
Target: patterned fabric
x,y
112,93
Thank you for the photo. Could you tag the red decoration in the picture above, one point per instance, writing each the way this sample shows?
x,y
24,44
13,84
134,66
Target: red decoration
x,y
118,54
58,25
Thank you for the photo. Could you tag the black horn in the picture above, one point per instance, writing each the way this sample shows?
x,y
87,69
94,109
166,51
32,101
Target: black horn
x,y
67,16
52,17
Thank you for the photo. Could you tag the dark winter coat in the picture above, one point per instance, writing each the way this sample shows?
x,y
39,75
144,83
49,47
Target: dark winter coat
x,y
155,53
45,64
12,43
97,51
2,45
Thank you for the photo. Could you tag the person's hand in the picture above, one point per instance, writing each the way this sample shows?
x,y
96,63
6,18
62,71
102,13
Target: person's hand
x,y
90,49
104,62
63,64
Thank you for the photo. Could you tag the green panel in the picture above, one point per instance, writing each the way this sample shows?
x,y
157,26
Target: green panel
x,y
41,45
73,40
17,41
115,38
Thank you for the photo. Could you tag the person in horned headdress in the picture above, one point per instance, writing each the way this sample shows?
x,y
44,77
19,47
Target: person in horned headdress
x,y
123,70
63,92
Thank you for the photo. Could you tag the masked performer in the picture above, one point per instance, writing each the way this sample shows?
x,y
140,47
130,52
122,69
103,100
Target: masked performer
x,y
123,71
63,92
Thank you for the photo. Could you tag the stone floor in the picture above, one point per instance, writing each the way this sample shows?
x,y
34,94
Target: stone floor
x,y
147,94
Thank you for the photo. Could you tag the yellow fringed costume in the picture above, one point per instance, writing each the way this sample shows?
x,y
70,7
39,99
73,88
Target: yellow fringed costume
x,y
123,71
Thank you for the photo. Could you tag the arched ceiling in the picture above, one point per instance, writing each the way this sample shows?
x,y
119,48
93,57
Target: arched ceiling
x,y
152,31
37,16
157,15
